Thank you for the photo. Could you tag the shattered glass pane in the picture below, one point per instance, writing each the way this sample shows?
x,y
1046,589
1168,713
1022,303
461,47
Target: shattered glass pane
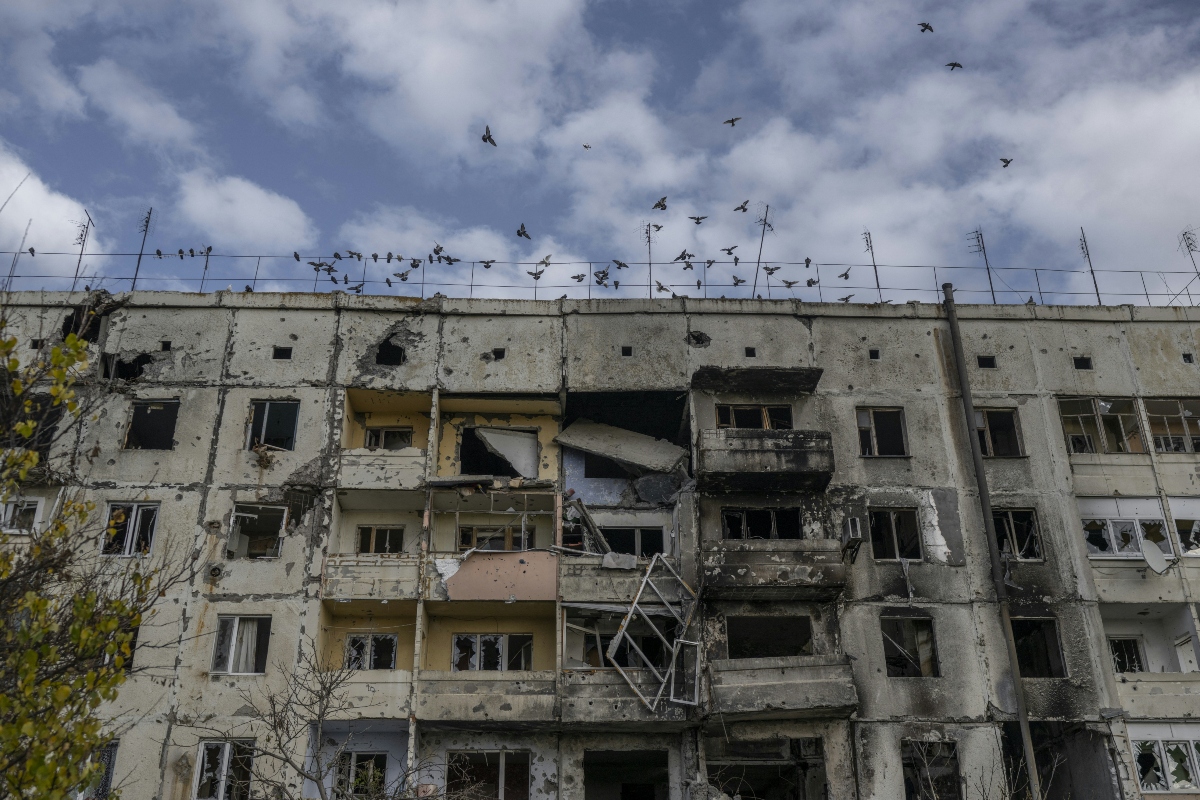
x,y
1149,767
490,649
237,782
209,786
520,652
465,654
1179,765
1095,532
356,652
758,523
1155,532
383,652
1125,535
1189,535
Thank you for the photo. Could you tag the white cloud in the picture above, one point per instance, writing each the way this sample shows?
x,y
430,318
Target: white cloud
x,y
237,215
129,103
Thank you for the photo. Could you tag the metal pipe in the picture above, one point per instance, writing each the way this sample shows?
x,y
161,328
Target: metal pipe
x,y
989,524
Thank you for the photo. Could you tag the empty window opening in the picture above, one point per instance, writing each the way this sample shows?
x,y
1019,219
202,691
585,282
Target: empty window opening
x,y
498,353
587,639
256,531
1127,654
1188,358
895,534
499,451
909,647
506,538
595,466
241,646
114,367
769,637
273,423
84,323
1101,424
380,541
224,769
662,415
643,542
1167,765
881,432
166,346
390,354
626,774
371,651
1038,653
778,418
100,786
281,353
986,362
37,344
769,768
930,770
761,523
751,352
152,425
388,438
1174,425
997,429
492,652
488,775
1124,538
130,530
21,515
873,354
362,775
626,350
1017,534
1082,362
1187,525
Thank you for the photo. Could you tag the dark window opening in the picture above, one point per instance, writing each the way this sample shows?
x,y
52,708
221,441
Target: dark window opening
x,y
476,459
484,775
371,651
281,353
130,530
389,354
930,770
498,353
1102,424
114,367
380,541
501,538
909,647
769,637
388,438
82,322
986,362
751,352
873,354
491,652
643,542
152,425
1126,655
662,415
997,429
1017,534
600,467
777,418
361,775
1174,425
1082,362
626,350
895,534
761,523
1038,653
225,770
626,774
778,769
1188,358
256,531
37,344
166,346
273,423
881,432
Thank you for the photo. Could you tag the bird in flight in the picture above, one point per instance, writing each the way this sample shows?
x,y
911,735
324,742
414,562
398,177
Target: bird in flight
x,y
789,284
488,264
1006,162
811,282
579,278
656,227
522,232
742,207
685,255
545,262
620,265
487,135
709,262
659,286
587,146
697,220
402,275
953,65
729,250
688,265
845,275
731,122
770,270
354,254
661,205
845,299
437,249
738,281
537,275
415,263
925,27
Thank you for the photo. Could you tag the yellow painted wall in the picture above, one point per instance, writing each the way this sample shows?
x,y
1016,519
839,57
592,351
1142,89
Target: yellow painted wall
x,y
334,630
441,629
450,439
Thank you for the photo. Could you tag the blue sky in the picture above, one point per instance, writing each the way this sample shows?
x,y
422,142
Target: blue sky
x,y
263,127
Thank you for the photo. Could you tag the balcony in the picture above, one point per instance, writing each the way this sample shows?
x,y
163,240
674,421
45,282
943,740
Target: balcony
x,y
752,460
601,697
354,577
795,687
584,579
381,469
779,569
378,694
1160,695
485,697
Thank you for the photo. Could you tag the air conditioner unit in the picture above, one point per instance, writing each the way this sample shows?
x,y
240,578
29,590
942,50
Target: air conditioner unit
x,y
852,538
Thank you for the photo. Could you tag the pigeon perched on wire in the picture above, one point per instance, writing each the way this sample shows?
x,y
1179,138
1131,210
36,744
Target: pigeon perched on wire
x,y
388,281
374,256
487,135
697,220
389,257
925,27
354,254
158,253
845,275
736,260
807,263
451,260
522,232
181,254
732,122
738,281
415,263
661,205
742,208
729,250
620,265
337,255
685,255
296,255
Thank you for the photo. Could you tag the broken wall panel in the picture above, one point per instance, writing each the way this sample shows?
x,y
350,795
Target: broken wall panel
x,y
627,447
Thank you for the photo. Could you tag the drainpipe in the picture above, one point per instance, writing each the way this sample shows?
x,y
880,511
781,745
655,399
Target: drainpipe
x,y
985,506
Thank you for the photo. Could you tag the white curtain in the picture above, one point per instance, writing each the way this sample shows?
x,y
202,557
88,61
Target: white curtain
x,y
245,645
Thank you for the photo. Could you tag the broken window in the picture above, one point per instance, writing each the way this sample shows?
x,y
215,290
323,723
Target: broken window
x,y
1096,424
1167,765
223,770
778,418
643,542
241,646
881,432
273,423
930,770
130,530
761,523
506,538
1189,535
1125,538
909,647
388,438
114,367
152,425
380,541
256,531
488,775
21,515
1174,425
361,775
1126,654
626,774
1038,654
499,451
492,652
84,323
997,430
895,534
1017,533
389,353
371,651
779,769
769,637
588,640
100,786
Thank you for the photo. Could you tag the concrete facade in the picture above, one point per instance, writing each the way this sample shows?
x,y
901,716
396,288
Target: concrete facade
x,y
828,667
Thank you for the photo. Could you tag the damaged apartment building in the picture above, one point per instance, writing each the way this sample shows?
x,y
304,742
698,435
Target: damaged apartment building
x,y
649,550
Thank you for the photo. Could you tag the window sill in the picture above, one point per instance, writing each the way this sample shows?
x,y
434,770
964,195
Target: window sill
x,y
236,674
883,458
1021,457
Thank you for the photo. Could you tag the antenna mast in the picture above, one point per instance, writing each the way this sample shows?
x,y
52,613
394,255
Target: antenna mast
x,y
145,229
1083,248
84,229
758,262
979,247
871,249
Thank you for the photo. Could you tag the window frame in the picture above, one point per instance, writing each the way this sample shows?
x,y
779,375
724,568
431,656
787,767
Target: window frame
x,y
375,530
252,441
872,442
230,657
764,410
935,659
774,512
227,753
11,508
1009,530
1140,538
382,431
1158,749
1140,651
987,441
236,530
1062,659
501,775
505,652
132,524
1097,416
100,787
369,660
1190,439
143,402
346,772
892,512
511,535
637,538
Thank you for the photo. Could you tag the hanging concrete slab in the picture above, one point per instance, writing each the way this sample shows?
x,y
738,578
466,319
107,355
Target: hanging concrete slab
x,y
768,381
618,444
518,448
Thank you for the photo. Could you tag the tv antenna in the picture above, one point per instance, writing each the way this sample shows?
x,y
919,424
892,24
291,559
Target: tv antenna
x,y
977,246
649,233
145,230
871,249
766,226
81,240
1087,254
